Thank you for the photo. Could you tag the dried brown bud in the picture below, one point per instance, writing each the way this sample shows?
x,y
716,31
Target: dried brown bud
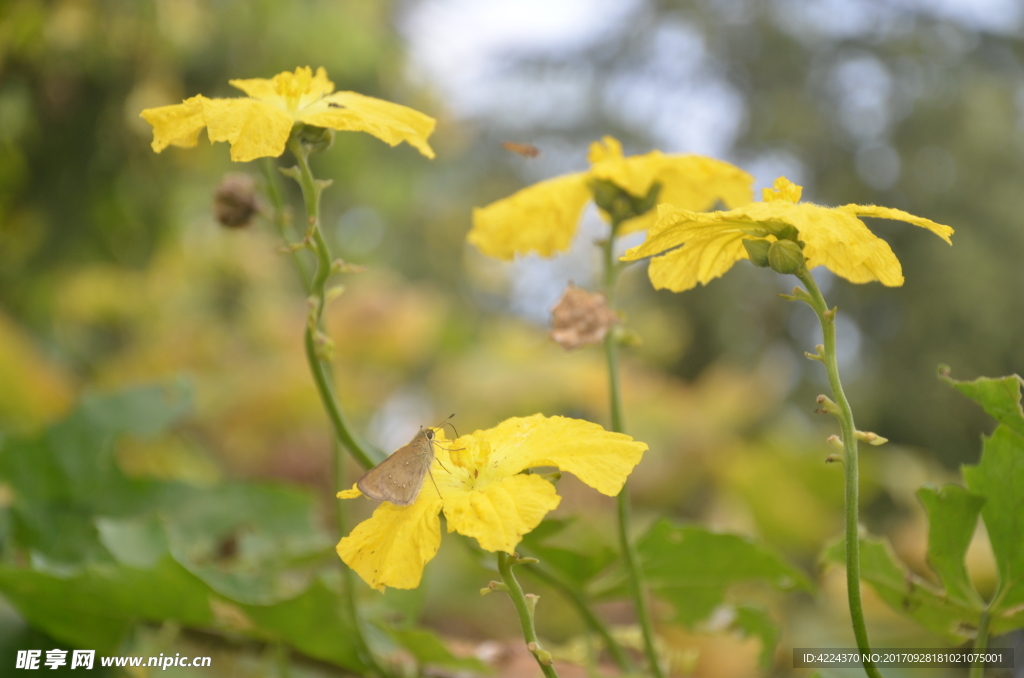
x,y
581,318
235,202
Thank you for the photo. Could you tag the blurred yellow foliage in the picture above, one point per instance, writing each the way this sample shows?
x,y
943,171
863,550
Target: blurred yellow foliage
x,y
34,391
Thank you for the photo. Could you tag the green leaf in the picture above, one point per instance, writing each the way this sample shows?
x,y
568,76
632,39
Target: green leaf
x,y
429,650
137,542
952,519
905,591
108,551
693,568
311,624
145,411
999,397
578,563
754,621
999,477
95,606
242,539
64,477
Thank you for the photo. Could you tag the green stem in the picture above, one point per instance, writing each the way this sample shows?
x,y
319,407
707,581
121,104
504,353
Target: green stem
x,y
281,656
980,645
634,572
321,374
318,289
518,598
280,218
827,318
589,618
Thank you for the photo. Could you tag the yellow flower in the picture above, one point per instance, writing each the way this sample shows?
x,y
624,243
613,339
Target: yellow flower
x,y
713,241
483,493
259,125
543,218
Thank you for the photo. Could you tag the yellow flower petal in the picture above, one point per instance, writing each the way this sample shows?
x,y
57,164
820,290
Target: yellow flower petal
x,y
541,218
634,174
696,183
842,243
711,242
940,230
700,261
601,459
254,128
499,514
259,126
395,543
292,90
391,123
784,190
484,495
351,493
177,125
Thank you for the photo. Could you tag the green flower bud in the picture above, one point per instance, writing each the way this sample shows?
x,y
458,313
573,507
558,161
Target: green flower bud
x,y
620,204
609,196
757,250
314,139
788,232
785,256
646,204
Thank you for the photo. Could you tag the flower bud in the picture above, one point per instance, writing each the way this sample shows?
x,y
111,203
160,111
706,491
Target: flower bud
x,y
757,250
314,139
787,232
785,256
235,203
646,204
618,203
612,200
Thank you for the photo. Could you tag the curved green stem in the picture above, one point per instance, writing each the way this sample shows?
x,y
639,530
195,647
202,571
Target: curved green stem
x,y
827,356
981,644
525,612
280,218
634,571
311,189
593,622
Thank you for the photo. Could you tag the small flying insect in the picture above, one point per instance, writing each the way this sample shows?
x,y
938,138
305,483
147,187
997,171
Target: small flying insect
x,y
525,150
334,104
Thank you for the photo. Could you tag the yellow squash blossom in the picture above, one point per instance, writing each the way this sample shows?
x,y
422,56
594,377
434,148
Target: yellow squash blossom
x,y
699,247
479,484
259,125
543,218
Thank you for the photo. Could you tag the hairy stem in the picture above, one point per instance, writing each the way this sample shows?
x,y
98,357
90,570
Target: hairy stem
x,y
525,612
827,318
318,289
634,572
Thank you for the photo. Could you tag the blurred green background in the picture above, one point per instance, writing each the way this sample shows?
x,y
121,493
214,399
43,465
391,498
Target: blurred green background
x,y
114,273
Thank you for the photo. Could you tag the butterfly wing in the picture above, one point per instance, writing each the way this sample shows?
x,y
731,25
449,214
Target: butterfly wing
x,y
399,478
